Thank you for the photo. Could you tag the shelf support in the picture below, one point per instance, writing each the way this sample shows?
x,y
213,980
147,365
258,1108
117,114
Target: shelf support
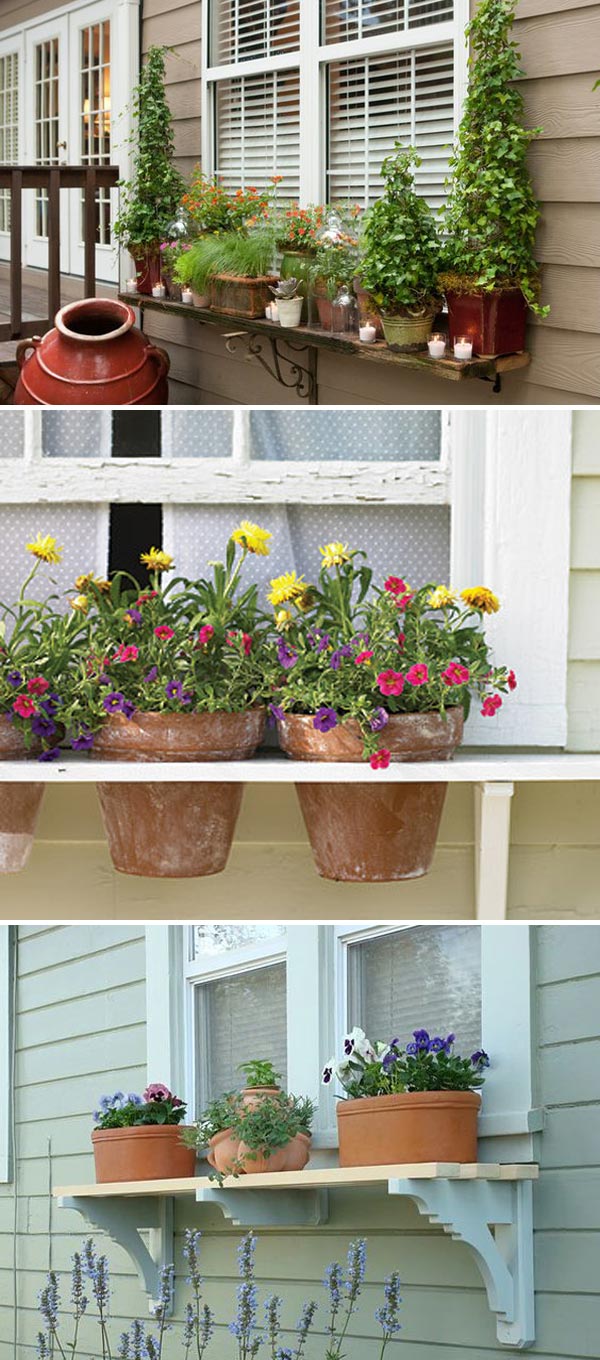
x,y
123,1221
269,1208
492,849
300,377
468,1211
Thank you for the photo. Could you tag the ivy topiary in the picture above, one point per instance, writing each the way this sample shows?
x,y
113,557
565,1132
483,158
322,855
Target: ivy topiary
x,y
400,251
491,215
152,196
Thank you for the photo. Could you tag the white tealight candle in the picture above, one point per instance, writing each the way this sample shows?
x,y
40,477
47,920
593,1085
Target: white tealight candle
x,y
367,333
274,312
437,346
463,347
187,296
268,311
131,285
159,290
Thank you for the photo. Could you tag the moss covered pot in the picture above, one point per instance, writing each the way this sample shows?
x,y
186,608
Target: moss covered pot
x,y
373,831
19,803
406,333
413,1126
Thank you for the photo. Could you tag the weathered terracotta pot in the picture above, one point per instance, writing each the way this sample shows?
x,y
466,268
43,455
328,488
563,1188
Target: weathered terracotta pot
x,y
297,1152
414,1126
495,322
252,1095
149,1152
253,1162
148,265
223,1152
240,296
373,832
19,804
94,356
174,830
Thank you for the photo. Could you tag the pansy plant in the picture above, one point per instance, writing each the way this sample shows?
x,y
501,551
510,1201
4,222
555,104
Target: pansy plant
x,y
425,1063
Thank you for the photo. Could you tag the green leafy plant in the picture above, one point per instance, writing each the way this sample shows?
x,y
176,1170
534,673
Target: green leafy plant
x,y
335,264
491,215
152,196
423,1064
157,1105
399,246
260,1072
218,1116
268,1125
236,254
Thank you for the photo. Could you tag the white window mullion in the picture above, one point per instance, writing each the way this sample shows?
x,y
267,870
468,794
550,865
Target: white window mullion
x,y
312,120
6,1054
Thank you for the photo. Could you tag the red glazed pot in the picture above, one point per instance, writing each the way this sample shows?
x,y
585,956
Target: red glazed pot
x,y
147,270
495,322
146,1152
373,832
94,356
19,804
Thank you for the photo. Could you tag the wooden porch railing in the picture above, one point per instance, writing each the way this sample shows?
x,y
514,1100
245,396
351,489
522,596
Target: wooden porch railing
x,y
52,178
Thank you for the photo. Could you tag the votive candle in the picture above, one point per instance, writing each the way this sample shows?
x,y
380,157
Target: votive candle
x,y
367,333
463,347
187,296
159,290
437,346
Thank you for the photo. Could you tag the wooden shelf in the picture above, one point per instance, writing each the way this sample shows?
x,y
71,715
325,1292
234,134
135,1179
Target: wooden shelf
x,y
469,1202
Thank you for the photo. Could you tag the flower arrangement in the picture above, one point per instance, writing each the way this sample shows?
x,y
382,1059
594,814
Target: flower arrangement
x,y
250,1328
212,208
423,1064
348,649
298,228
261,1121
156,1105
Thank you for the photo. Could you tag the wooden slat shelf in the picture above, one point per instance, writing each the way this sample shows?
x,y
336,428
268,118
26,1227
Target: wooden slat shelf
x,y
313,338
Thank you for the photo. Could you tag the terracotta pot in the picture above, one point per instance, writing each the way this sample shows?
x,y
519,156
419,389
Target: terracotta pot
x,y
415,1126
147,265
407,333
150,1152
200,299
174,830
19,804
297,1152
252,1095
94,356
223,1152
373,832
495,322
241,296
253,1162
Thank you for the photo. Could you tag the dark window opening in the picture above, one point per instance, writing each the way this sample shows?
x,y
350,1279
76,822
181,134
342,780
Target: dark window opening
x,y
136,434
133,530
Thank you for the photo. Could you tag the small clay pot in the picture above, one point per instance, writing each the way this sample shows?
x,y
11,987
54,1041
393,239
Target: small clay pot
x,y
174,830
252,1095
373,832
148,265
413,1126
253,1162
19,803
148,1152
223,1152
297,1152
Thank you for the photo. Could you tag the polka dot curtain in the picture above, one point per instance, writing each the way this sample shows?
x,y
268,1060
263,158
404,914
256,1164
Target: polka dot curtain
x,y
11,434
80,530
363,436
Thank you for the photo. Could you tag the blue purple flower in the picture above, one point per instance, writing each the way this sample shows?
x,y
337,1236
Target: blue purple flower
x,y
53,754
174,690
43,726
113,703
325,718
83,741
287,657
151,676
379,720
14,679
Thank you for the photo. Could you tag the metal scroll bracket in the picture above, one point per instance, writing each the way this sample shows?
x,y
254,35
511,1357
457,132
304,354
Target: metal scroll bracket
x,y
123,1220
300,377
495,1220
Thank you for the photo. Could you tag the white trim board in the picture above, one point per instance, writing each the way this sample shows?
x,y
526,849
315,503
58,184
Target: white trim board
x,y
6,1061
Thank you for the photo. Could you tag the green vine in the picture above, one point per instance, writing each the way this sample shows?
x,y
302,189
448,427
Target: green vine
x,y
153,195
400,248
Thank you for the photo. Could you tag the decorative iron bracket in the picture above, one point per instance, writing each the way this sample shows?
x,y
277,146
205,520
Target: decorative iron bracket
x,y
269,1208
468,1210
301,378
123,1220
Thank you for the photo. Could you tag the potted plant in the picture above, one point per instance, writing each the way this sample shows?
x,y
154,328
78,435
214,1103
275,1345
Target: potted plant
x,y
332,273
138,1138
490,274
214,1132
174,673
261,1080
400,256
289,302
170,254
235,269
405,1104
384,673
151,198
259,1129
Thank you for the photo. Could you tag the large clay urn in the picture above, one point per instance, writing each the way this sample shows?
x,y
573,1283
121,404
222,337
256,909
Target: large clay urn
x,y
146,1152
19,804
412,1126
94,356
373,831
171,829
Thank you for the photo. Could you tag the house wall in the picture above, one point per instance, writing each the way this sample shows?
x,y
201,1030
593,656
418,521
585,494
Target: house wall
x,y
80,1030
584,607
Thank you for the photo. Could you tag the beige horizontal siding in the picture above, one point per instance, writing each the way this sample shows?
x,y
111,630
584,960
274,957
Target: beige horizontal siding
x,y
584,608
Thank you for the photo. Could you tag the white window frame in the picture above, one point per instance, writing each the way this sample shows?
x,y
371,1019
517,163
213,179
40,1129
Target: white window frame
x,y
316,965
6,1055
13,44
311,58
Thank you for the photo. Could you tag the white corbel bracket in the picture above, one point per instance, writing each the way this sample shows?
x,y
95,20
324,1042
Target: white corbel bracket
x,y
492,848
495,1220
123,1221
269,1208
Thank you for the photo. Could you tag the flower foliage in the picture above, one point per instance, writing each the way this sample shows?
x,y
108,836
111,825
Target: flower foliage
x,y
491,215
423,1064
400,246
349,649
157,1105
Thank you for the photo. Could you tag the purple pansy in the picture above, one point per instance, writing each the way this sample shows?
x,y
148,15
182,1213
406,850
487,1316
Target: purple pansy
x,y
379,720
174,690
325,718
14,679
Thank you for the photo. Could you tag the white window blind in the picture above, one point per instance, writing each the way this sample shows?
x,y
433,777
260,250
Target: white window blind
x,y
345,20
9,125
243,30
375,100
422,977
258,131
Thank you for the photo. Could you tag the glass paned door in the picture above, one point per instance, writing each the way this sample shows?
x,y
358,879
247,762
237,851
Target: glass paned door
x,y
10,77
91,46
46,128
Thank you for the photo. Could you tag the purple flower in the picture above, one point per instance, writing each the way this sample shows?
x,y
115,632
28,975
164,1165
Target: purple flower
x,y
335,659
480,1058
287,657
187,696
327,1075
50,704
42,726
52,754
411,1049
83,741
134,615
421,1039
113,703
323,642
379,720
389,1060
174,690
276,714
104,679
437,1045
152,674
325,718
127,708
14,679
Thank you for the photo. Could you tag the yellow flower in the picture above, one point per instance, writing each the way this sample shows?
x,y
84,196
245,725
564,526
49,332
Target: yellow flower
x,y
156,560
479,597
334,554
286,588
441,597
83,583
252,538
45,549
283,619
80,603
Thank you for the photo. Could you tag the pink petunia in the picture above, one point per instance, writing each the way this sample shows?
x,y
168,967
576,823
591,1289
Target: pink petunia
x,y
126,653
418,674
362,658
164,632
205,634
380,759
24,707
455,674
38,685
491,704
390,682
400,590
247,643
511,680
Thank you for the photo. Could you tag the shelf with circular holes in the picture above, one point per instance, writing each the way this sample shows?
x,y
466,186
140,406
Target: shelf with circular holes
x,y
487,1206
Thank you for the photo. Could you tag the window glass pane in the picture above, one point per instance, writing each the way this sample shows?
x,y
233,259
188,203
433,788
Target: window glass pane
x,y
245,29
197,434
426,977
258,131
11,433
72,434
210,941
347,19
411,541
374,101
80,531
367,436
239,1018
9,126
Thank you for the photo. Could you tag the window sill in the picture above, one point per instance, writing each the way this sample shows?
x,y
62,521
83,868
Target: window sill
x,y
465,1200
